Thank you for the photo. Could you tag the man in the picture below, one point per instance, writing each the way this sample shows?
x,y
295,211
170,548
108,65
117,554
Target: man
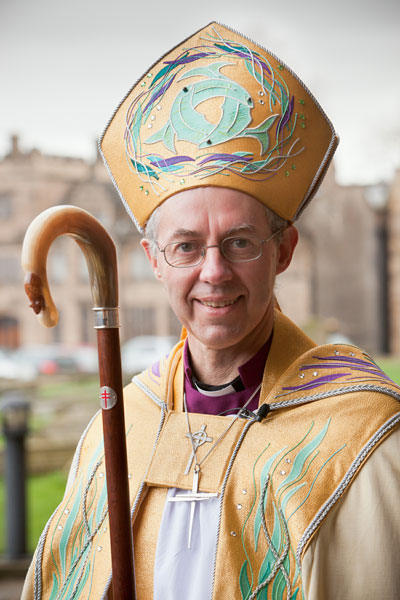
x,y
261,466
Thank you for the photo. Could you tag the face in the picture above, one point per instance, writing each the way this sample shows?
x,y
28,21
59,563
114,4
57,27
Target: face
x,y
221,304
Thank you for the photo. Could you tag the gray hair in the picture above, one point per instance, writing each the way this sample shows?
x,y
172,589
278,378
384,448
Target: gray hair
x,y
151,229
276,223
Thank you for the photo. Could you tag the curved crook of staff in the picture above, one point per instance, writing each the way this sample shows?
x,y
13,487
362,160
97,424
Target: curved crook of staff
x,y
100,254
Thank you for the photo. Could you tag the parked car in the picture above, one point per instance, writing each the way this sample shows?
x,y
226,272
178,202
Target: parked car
x,y
86,358
140,352
45,359
10,368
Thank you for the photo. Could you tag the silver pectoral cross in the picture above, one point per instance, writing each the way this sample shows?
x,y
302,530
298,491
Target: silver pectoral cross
x,y
193,497
199,438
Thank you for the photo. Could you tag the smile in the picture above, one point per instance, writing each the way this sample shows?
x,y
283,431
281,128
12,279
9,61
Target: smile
x,y
218,304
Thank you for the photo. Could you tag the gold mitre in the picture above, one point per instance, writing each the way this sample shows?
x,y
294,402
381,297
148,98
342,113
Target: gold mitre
x,y
218,110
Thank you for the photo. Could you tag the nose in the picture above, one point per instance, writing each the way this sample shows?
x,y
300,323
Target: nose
x,y
215,268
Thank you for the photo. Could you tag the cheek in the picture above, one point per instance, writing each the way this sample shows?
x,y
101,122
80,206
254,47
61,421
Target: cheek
x,y
261,286
177,285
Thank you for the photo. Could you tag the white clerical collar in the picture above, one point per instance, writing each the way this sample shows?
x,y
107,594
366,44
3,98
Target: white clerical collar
x,y
216,391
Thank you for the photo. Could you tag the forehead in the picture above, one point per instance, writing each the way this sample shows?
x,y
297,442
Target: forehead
x,y
211,209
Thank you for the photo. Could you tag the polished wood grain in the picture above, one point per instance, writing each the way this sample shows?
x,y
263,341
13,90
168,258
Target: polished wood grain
x,y
100,254
116,466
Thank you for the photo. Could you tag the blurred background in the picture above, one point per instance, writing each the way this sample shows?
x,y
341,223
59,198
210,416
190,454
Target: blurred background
x,y
64,68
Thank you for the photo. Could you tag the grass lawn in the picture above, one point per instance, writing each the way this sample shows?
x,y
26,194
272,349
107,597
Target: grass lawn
x,y
44,493
87,388
391,366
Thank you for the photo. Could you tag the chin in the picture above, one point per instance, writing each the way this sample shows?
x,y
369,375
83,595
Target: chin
x,y
218,338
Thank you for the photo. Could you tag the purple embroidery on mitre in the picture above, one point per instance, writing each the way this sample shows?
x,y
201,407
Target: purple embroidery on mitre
x,y
225,157
276,147
246,55
188,59
167,162
264,66
286,117
159,93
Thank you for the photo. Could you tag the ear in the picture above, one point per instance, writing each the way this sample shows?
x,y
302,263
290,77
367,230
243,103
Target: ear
x,y
286,248
146,245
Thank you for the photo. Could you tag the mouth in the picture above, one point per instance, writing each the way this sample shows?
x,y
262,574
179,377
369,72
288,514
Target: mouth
x,y
219,304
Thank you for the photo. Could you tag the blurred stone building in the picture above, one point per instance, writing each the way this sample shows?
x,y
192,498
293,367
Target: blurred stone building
x,y
338,282
30,183
393,228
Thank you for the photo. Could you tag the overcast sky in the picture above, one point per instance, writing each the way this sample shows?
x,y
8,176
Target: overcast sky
x,y
64,66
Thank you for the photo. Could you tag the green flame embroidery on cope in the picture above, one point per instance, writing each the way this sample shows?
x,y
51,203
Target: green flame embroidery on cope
x,y
270,106
285,485
79,523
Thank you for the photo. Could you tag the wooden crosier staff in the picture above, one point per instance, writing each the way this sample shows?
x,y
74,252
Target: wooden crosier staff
x,y
100,254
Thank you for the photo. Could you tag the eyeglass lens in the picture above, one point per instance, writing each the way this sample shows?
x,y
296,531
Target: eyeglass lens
x,y
191,253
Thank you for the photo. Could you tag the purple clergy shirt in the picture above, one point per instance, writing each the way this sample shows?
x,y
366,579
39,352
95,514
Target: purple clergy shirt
x,y
251,374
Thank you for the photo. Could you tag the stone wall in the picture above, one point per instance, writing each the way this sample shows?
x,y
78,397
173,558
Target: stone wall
x,y
335,277
394,263
30,183
336,281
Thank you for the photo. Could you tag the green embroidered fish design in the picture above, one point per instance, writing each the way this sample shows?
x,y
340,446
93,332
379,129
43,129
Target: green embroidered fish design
x,y
186,123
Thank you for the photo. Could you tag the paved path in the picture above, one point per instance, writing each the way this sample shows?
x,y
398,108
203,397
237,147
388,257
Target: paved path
x,y
12,575
10,589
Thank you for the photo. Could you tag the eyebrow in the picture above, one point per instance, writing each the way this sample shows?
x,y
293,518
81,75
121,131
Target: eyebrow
x,y
185,233
246,227
189,233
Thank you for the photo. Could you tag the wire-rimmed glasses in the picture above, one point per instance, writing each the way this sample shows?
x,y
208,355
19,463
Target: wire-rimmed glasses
x,y
238,248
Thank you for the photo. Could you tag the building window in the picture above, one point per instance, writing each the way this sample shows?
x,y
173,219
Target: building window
x,y
10,269
56,332
9,332
5,206
140,266
139,320
58,266
88,334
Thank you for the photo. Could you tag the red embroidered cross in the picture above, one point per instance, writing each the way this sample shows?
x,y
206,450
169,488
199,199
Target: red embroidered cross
x,y
105,396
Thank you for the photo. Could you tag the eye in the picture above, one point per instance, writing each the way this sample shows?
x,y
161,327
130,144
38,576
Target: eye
x,y
183,254
238,243
186,247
